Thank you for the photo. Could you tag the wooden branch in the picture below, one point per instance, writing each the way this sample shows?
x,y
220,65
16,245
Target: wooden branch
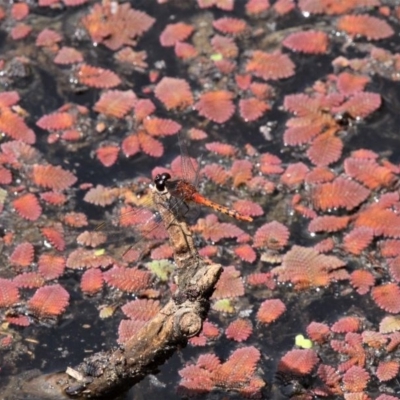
x,y
108,374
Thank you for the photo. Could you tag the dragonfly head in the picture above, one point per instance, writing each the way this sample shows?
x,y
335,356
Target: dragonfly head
x,y
160,180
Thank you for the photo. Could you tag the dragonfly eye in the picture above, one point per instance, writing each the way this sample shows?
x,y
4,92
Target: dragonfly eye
x,y
160,180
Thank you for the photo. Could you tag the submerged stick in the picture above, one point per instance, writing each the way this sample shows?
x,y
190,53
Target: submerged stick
x,y
107,374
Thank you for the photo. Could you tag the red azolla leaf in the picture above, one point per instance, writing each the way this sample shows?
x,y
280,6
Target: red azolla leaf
x,y
99,78
270,65
130,145
20,320
54,198
358,239
339,193
241,172
107,155
143,108
382,221
28,207
258,279
141,309
55,235
51,266
162,252
213,230
387,296
208,251
128,328
226,5
355,379
374,339
272,235
325,149
115,103
74,3
239,330
294,174
364,153
116,26
349,84
91,239
298,361
22,256
394,268
252,108
318,332
238,369
301,104
161,127
130,280
208,361
305,267
331,377
387,370
9,294
20,31
270,310
216,105
174,33
8,99
230,284
81,258
222,149
362,280
360,105
5,176
243,81
47,38
91,281
296,135
49,301
233,26
19,11
365,25
78,220
149,145
52,177
368,172
14,126
196,378
247,207
256,7
246,253
328,223
346,324
225,46
309,42
174,93
210,330
390,248
29,280
196,134
270,164
56,121
325,246
216,173
185,51
320,175
68,55
261,91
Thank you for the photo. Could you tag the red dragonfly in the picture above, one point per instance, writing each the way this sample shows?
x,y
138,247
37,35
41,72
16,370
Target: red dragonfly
x,y
185,188
187,192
